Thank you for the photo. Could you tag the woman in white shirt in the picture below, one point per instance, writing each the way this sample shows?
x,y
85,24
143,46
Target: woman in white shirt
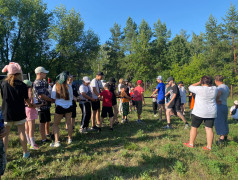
x,y
63,95
205,109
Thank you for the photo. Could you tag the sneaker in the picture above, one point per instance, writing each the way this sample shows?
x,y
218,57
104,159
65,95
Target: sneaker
x,y
69,141
127,121
188,145
48,135
167,127
45,141
55,144
139,121
83,130
28,145
116,122
35,147
155,115
206,148
186,126
99,129
95,128
123,121
111,129
220,142
26,155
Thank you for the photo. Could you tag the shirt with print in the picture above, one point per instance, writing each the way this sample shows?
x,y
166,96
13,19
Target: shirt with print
x,y
107,98
13,100
85,89
41,87
174,91
96,84
161,91
138,93
205,101
224,93
124,99
62,102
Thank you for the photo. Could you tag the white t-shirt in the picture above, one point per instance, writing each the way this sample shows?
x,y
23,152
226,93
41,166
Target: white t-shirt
x,y
61,102
98,85
119,87
84,89
183,95
205,101
235,116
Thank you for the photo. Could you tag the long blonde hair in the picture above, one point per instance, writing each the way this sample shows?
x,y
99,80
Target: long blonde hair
x,y
12,77
62,91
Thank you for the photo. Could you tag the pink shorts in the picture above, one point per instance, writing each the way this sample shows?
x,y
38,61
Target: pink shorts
x,y
31,114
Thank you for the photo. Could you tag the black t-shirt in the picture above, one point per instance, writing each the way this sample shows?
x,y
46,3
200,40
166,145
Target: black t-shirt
x,y
112,90
175,90
13,100
75,91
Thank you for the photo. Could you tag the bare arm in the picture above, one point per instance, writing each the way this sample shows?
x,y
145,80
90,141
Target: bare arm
x,y
95,91
46,98
87,97
156,90
218,97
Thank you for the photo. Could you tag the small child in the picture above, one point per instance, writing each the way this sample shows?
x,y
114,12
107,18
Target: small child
x,y
125,103
32,115
107,106
234,111
139,98
155,106
132,102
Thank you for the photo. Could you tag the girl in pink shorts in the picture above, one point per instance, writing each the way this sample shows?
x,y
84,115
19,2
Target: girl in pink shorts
x,y
31,116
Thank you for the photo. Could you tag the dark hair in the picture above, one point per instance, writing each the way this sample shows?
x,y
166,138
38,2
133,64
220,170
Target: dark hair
x,y
62,91
219,78
206,80
107,85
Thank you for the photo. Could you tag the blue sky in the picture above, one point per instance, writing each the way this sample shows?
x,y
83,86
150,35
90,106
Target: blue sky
x,y
100,15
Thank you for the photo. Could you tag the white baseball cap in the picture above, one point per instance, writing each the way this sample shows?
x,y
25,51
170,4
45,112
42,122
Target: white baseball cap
x,y
86,79
236,102
160,78
41,70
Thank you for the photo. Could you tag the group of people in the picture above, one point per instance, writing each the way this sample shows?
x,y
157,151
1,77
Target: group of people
x,y
23,102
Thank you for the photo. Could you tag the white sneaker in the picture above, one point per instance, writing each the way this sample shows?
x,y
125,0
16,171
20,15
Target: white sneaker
x,y
83,131
123,121
55,144
69,141
155,115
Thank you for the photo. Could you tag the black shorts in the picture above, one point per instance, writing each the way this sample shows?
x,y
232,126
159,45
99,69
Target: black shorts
x,y
61,110
95,105
107,110
133,103
74,112
197,121
44,116
176,106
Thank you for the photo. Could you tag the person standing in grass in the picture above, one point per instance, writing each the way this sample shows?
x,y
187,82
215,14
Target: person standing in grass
x,y
96,86
42,96
174,105
85,104
132,102
107,106
160,89
3,133
205,110
31,116
234,111
183,95
14,96
62,93
154,104
119,92
125,104
139,98
221,123
112,89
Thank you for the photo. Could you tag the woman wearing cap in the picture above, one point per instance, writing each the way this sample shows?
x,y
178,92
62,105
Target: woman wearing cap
x,y
205,110
85,104
14,95
31,116
63,95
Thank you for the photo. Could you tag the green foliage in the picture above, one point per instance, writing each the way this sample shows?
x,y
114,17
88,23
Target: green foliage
x,y
180,168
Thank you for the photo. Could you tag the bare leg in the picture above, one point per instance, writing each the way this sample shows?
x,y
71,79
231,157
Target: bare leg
x,y
5,139
168,111
57,119
160,111
209,132
73,121
193,135
31,128
163,107
42,131
115,109
22,135
98,116
47,128
111,122
69,125
101,122
181,117
93,118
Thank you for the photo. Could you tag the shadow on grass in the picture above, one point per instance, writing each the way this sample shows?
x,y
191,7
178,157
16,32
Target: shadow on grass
x,y
149,165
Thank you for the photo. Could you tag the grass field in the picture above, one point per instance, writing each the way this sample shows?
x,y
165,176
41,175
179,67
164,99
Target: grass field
x,y
131,151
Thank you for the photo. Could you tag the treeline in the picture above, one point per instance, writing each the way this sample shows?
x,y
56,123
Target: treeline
x,y
33,36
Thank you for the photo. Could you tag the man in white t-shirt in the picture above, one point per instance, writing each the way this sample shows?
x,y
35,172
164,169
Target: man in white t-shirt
x,y
96,87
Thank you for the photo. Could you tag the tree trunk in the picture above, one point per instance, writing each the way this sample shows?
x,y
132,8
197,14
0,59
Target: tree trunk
x,y
234,53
